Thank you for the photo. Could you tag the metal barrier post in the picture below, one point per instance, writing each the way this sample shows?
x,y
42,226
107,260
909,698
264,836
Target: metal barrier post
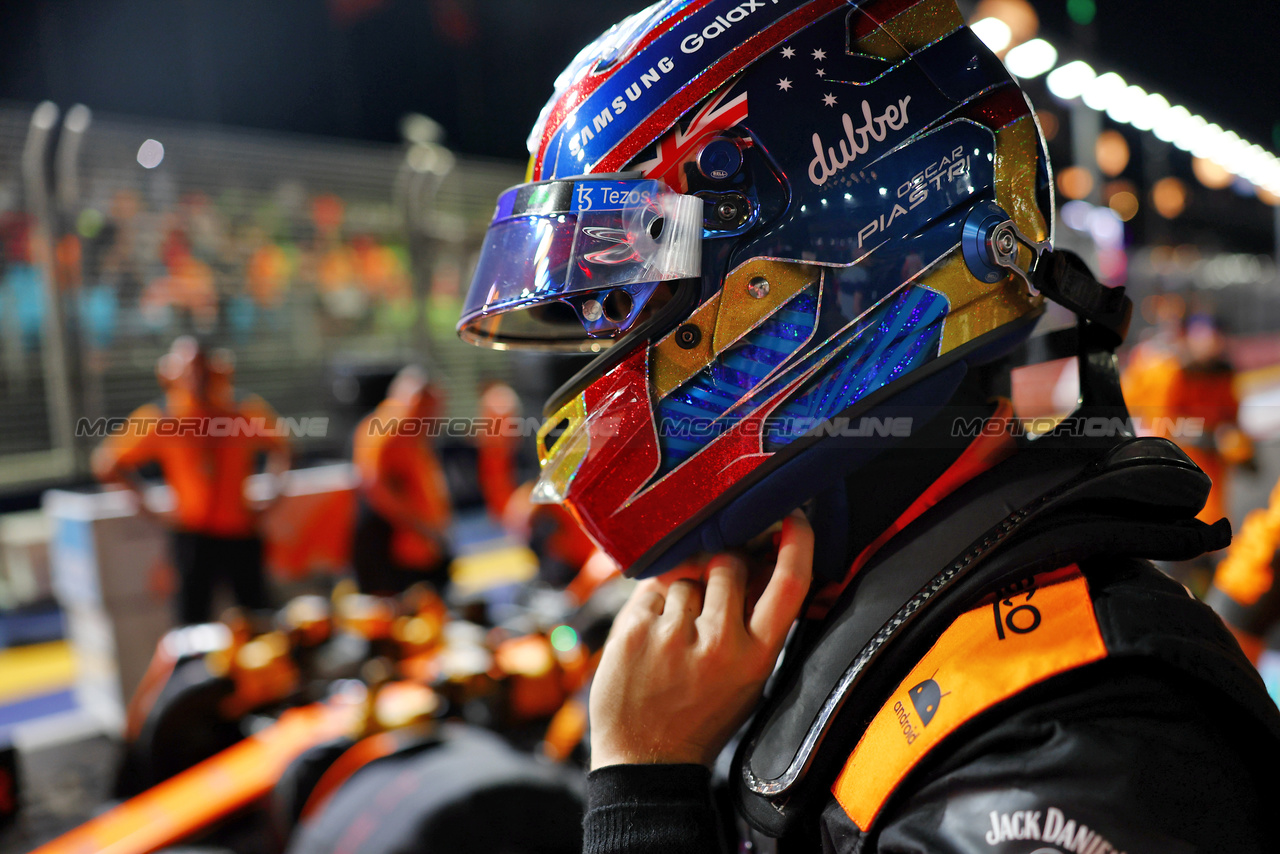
x,y
38,183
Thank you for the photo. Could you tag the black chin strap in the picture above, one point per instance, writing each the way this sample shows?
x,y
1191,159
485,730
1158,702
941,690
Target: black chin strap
x,y
1064,278
1104,314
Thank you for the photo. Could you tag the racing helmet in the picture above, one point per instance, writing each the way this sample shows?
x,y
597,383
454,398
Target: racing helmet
x,y
764,218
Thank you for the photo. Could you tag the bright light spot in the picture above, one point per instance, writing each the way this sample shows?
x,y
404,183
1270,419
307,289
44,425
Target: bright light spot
x,y
1082,11
45,116
1101,91
1075,215
1111,150
1125,104
1228,150
1149,111
994,33
1251,162
1070,80
1169,126
1169,196
420,129
77,120
1031,59
89,223
1211,174
150,153
564,638
1106,228
1075,182
1206,140
1125,204
1189,134
1268,174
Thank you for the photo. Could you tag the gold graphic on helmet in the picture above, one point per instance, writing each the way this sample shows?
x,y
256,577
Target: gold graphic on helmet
x,y
674,361
918,26
1017,153
976,307
751,295
561,461
741,310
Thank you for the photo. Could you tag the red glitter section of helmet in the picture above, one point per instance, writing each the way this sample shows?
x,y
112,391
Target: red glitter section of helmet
x,y
997,109
624,454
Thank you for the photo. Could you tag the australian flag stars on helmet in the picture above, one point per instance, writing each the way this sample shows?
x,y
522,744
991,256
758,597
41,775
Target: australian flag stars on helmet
x,y
755,214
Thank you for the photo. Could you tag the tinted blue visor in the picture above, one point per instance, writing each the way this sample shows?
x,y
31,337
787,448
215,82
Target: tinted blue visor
x,y
570,265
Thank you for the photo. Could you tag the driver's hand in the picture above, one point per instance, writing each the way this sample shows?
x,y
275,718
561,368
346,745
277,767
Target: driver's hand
x,y
687,658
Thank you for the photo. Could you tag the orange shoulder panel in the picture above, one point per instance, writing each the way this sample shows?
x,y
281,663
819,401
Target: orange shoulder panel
x,y
987,656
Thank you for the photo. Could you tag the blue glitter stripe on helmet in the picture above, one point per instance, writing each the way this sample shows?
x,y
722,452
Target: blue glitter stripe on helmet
x,y
904,334
690,418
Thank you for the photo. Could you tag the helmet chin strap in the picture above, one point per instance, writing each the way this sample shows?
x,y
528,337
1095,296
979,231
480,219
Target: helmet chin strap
x,y
1104,314
1063,277
994,246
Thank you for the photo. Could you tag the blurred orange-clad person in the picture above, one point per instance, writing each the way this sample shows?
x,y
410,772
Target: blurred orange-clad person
x,y
1154,361
267,271
1147,378
207,443
1204,388
497,444
1244,590
403,508
1180,385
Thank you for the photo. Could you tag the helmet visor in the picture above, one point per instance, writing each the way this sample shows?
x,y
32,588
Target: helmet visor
x,y
570,265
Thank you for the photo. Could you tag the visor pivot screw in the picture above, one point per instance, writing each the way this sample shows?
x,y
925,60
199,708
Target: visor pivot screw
x,y
719,159
592,310
758,287
727,211
688,336
1006,244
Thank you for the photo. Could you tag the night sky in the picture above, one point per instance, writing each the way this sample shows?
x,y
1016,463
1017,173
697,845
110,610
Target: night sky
x,y
347,68
483,68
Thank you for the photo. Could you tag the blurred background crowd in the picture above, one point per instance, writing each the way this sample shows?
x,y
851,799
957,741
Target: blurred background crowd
x,y
300,188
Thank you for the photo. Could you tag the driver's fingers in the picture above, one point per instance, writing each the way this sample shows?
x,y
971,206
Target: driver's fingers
x,y
780,603
726,591
684,600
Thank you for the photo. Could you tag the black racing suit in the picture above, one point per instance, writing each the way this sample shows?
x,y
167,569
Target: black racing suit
x,y
1168,744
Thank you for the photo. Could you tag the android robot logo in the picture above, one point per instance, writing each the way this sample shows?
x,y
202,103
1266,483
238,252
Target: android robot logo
x,y
926,697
